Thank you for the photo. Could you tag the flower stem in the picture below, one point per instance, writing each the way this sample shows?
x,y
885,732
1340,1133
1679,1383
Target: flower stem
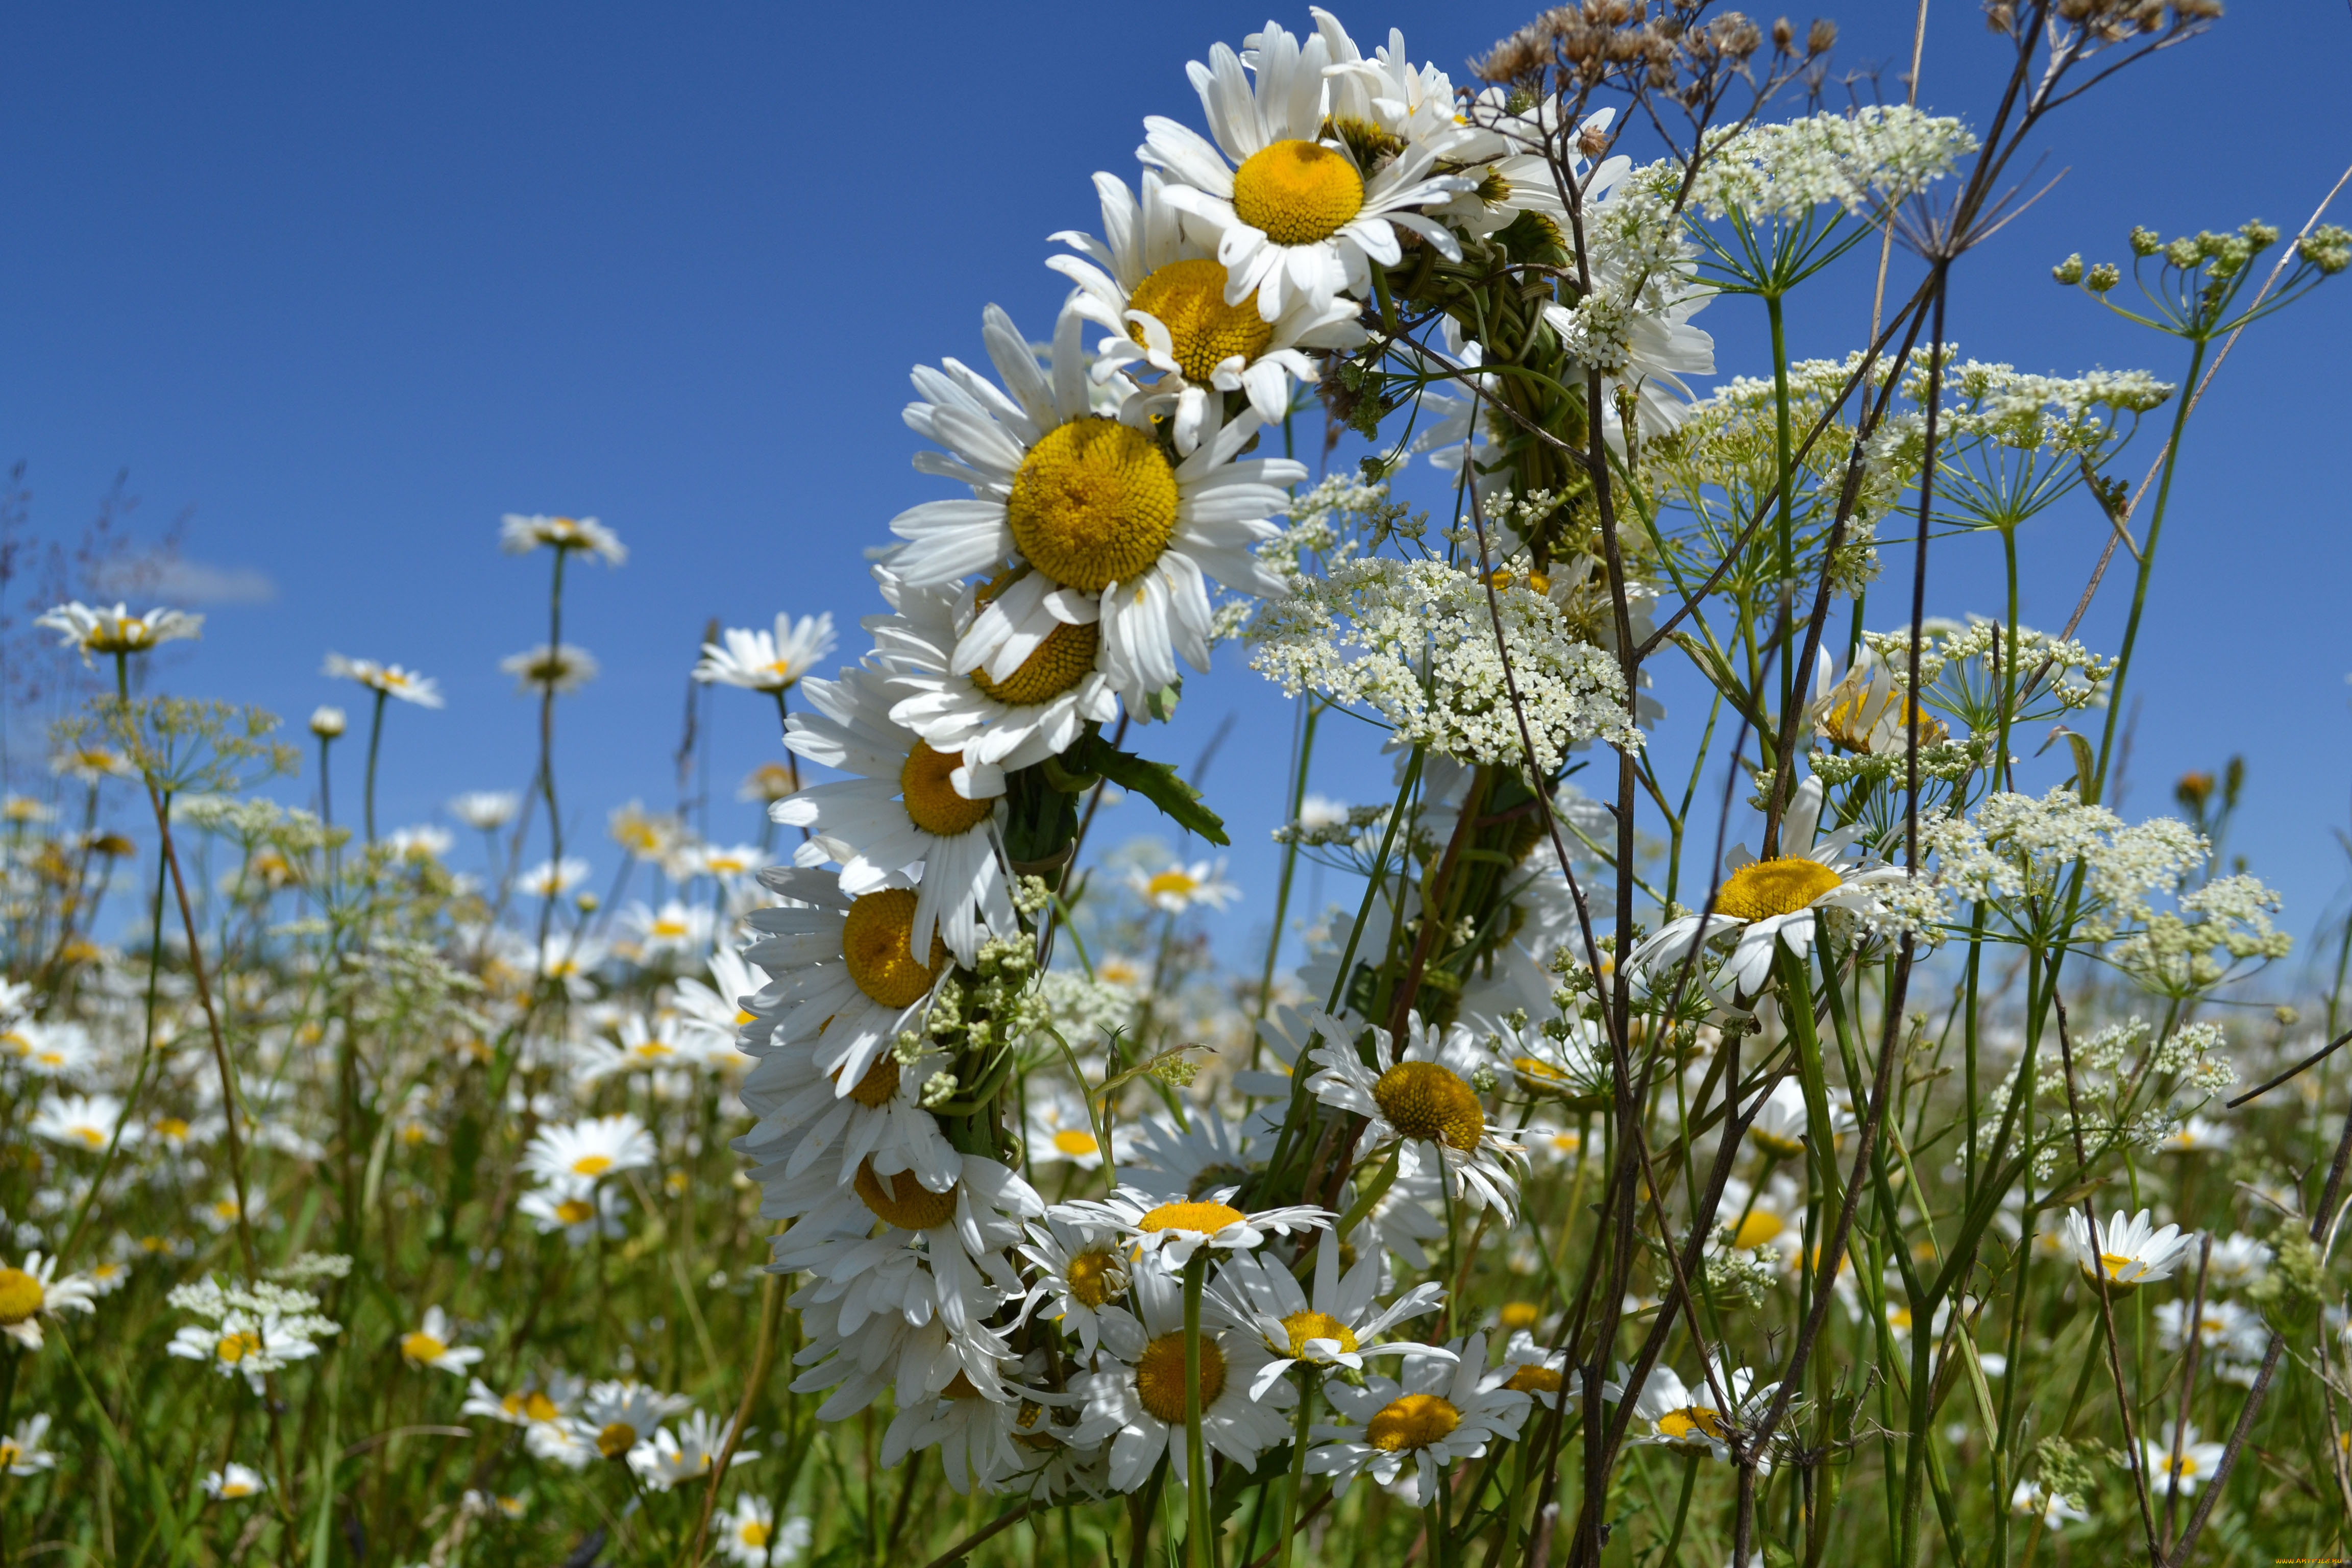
x,y
1307,1388
375,741
1199,1551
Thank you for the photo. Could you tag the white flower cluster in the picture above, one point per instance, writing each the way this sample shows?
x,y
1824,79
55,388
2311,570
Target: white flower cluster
x,y
2018,847
247,1330
2175,954
1412,643
1877,155
2062,414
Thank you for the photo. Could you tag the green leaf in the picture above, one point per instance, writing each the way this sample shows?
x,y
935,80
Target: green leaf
x,y
1178,802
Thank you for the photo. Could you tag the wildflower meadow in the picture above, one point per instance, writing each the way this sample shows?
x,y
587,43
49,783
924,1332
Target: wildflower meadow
x,y
1809,1126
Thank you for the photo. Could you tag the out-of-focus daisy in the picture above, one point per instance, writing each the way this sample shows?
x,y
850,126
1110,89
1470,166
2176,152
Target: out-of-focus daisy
x,y
60,1050
1169,1232
33,1292
24,1451
433,1343
1206,1156
749,1538
328,721
1093,504
78,1120
676,931
234,1482
1439,1411
1297,218
486,810
390,680
1778,1128
727,862
1420,1098
587,1150
646,835
1767,905
620,1415
1138,1402
553,878
2197,1462
117,632
2238,1259
768,783
520,534
248,1332
1181,887
90,760
560,668
426,843
580,1209
2128,1249
1553,1145
1336,1327
759,660
2198,1136
541,1401
1061,1132
2230,1330
910,804
2056,1508
665,1459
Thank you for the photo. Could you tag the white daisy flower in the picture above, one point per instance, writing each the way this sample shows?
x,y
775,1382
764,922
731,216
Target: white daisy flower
x,y
520,534
553,878
22,1452
560,668
539,1402
912,805
580,1208
2130,1249
803,1115
1335,1327
2197,1462
2238,1259
234,1482
248,1332
883,1331
847,983
1209,1153
560,1443
759,660
486,810
980,1440
1295,217
1138,1402
390,680
1159,293
1171,1232
1766,905
1039,710
1512,158
2232,1333
94,630
2056,1508
78,1121
666,1459
1060,1131
433,1343
1094,504
587,1150
749,1538
1688,1417
1437,1412
1536,1371
1574,1068
1081,1273
33,1292
1778,1128
2198,1136
1420,1099
620,1414
1179,887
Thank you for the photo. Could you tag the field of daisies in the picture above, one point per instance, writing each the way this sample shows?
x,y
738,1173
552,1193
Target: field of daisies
x,y
1809,1127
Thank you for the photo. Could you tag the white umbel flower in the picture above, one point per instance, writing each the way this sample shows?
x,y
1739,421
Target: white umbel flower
x,y
1441,1410
1094,504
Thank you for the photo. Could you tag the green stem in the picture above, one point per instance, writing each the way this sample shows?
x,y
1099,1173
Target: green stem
x,y
375,741
1290,1497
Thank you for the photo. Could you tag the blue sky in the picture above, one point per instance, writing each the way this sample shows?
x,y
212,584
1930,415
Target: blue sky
x,y
350,282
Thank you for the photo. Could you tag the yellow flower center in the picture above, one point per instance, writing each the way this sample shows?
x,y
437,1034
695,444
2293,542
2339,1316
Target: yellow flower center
x,y
1065,657
1304,1326
1541,1073
880,1084
1780,887
1206,1218
929,792
2116,1263
1094,1276
234,1348
1094,503
903,1201
751,1533
20,1296
422,1346
1777,1143
1691,1421
1075,1143
1415,1421
93,1136
1518,1315
617,1439
1160,1377
171,1126
576,1211
1431,1102
876,944
1759,1227
1188,298
237,1489
1534,1380
1172,883
592,1165
1297,193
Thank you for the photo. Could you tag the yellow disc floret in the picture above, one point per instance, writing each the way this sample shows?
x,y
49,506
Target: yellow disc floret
x,y
1160,1377
1759,1227
1304,1326
20,1296
1188,298
1762,889
1431,1102
903,1201
1095,1276
617,1439
1206,1218
927,786
1692,1422
1415,1421
1297,193
1534,1380
421,1346
880,1084
877,943
1065,657
1094,503
1075,1143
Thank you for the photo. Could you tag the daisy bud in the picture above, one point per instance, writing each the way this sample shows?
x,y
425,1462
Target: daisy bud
x,y
326,721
